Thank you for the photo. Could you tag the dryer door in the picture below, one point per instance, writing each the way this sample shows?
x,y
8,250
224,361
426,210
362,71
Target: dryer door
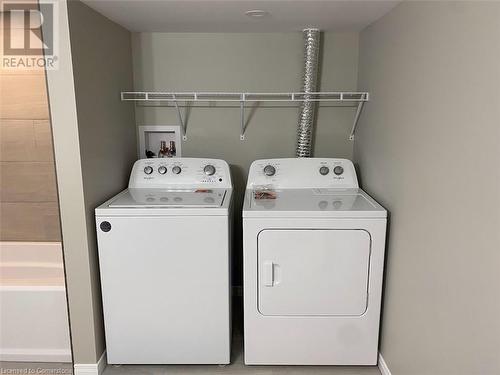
x,y
313,272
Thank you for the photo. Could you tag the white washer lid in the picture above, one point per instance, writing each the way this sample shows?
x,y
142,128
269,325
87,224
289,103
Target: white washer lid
x,y
313,203
161,198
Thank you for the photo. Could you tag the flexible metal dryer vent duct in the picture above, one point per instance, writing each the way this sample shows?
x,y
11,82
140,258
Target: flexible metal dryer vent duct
x,y
308,107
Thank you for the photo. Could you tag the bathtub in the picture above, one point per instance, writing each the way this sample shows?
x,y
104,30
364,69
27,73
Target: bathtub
x,y
33,312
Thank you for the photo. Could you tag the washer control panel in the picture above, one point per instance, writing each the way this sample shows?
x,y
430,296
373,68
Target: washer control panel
x,y
301,173
163,172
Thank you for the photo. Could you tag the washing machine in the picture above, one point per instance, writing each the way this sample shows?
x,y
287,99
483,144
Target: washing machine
x,y
164,256
313,262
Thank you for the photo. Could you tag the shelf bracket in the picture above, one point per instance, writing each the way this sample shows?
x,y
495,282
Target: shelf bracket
x,y
364,98
242,119
181,121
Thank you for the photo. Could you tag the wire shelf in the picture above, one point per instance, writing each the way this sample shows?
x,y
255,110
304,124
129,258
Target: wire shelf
x,y
245,96
354,98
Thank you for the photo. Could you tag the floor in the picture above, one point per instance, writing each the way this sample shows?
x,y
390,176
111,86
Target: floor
x,y
237,367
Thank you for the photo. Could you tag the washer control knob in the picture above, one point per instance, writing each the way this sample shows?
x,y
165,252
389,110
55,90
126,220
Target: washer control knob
x,y
162,170
209,170
269,170
148,169
176,169
338,170
324,171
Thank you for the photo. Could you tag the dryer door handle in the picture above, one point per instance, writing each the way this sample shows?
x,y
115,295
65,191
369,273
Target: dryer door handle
x,y
268,273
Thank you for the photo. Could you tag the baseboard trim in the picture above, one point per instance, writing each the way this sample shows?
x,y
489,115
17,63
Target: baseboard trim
x,y
382,366
91,368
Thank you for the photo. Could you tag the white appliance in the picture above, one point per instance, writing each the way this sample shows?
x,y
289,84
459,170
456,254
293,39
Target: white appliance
x,y
164,255
313,253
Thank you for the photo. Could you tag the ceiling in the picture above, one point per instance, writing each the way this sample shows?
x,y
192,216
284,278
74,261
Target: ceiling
x,y
229,15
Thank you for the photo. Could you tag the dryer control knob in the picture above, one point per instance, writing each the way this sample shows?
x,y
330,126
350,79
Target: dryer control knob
x,y
324,171
162,170
209,170
269,170
176,169
338,170
148,169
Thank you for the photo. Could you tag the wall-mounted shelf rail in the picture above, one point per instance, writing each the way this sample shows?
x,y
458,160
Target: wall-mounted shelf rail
x,y
354,98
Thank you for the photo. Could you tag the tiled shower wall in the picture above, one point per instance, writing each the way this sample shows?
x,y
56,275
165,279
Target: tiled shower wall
x,y
28,196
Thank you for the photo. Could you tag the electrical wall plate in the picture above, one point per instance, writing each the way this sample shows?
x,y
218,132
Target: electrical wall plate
x,y
150,137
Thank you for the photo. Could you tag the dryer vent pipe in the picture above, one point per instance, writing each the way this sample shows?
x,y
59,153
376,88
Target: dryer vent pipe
x,y
308,107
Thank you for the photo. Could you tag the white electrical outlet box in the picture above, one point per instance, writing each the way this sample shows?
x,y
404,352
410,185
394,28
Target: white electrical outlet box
x,y
151,136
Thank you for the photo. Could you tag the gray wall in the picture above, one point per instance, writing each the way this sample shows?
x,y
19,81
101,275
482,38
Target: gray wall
x,y
244,62
95,140
428,149
102,67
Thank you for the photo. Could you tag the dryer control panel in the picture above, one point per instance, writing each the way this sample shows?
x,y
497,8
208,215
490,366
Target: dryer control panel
x,y
178,172
302,173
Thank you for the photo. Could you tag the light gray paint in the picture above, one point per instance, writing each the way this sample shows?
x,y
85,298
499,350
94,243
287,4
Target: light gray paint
x,y
245,62
94,141
204,16
70,189
102,68
428,149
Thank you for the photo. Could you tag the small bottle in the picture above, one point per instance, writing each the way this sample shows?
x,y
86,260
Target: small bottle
x,y
163,153
173,151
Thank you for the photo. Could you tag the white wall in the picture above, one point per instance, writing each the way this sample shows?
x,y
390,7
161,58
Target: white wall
x,y
428,148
